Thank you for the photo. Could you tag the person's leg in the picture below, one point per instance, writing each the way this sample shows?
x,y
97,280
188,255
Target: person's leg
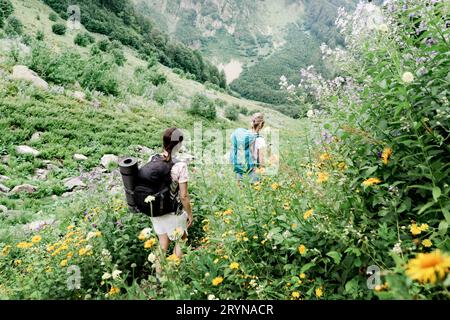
x,y
164,242
177,249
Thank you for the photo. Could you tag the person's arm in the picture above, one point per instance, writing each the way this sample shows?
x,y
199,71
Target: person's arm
x,y
186,201
262,163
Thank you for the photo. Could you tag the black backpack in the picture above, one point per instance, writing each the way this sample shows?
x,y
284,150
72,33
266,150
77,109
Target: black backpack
x,y
154,180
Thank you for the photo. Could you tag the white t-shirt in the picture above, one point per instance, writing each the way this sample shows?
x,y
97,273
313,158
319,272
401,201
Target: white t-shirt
x,y
259,144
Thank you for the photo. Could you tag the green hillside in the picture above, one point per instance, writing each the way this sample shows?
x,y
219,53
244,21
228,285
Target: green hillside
x,y
352,204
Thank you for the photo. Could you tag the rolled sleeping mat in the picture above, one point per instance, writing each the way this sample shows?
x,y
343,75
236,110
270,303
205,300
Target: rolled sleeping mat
x,y
128,167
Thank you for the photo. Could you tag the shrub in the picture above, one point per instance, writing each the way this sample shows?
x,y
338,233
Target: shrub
x,y
83,39
104,45
59,29
164,93
13,26
202,106
243,110
53,17
119,56
40,35
99,74
232,113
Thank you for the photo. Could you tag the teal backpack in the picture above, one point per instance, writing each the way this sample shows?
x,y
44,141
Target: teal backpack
x,y
241,154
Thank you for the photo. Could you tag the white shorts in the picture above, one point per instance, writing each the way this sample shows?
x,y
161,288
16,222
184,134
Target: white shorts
x,y
168,223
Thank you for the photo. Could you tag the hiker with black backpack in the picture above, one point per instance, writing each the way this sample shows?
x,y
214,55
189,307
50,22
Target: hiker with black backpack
x,y
162,192
247,149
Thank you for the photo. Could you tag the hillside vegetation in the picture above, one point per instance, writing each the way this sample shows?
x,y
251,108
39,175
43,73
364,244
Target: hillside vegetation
x,y
353,204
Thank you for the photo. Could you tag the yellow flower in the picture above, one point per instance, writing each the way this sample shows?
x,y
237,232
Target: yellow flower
x,y
6,250
371,181
322,177
294,226
82,251
234,266
424,227
274,186
286,206
342,166
257,187
36,239
302,249
427,243
173,258
324,157
18,262
415,230
63,263
428,267
70,227
295,294
216,261
24,245
386,155
308,214
69,255
149,243
319,292
114,290
217,281
228,212
302,276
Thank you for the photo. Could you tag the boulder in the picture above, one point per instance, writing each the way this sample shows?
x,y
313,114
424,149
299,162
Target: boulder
x,y
3,209
96,104
23,73
38,225
27,150
41,174
79,157
5,159
36,136
107,159
24,188
79,95
4,188
3,178
72,183
144,150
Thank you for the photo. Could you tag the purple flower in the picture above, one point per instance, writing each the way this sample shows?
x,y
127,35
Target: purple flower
x,y
94,225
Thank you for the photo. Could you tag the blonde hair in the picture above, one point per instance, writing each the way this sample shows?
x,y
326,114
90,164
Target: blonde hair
x,y
257,120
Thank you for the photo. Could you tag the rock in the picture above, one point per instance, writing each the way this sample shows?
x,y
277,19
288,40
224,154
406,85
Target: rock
x,y
38,225
41,174
27,150
23,73
79,95
3,209
72,183
79,157
3,178
24,188
107,159
5,159
4,189
96,104
144,150
57,89
54,197
36,136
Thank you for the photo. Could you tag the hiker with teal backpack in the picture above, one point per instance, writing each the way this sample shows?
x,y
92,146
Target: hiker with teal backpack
x,y
247,149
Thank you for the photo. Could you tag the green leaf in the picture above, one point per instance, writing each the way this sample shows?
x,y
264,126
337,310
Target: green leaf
x,y
443,226
436,193
426,206
307,266
335,255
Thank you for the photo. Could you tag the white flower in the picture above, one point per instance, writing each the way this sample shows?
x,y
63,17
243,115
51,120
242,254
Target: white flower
x,y
133,265
145,233
212,297
383,28
397,248
151,257
310,113
408,77
116,274
88,247
90,235
106,276
105,252
149,199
